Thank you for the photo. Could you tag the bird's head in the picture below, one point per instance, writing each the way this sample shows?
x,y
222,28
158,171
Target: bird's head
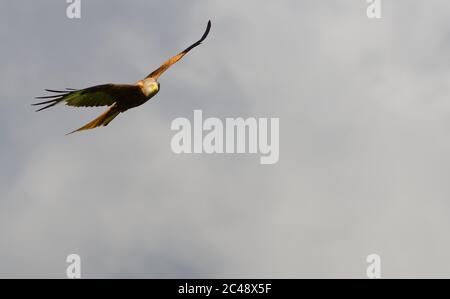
x,y
149,87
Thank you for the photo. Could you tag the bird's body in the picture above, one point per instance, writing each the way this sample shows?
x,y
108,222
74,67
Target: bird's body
x,y
118,97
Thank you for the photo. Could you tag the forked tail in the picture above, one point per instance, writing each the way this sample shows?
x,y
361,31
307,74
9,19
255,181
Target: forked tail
x,y
103,120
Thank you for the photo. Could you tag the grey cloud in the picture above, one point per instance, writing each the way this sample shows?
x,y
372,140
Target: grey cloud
x,y
364,120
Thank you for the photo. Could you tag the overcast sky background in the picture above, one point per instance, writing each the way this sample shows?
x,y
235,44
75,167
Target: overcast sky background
x,y
364,163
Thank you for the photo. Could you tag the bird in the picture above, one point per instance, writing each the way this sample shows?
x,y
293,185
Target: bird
x,y
118,97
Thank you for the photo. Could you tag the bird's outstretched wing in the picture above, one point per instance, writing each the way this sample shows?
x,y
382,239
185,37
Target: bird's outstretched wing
x,y
156,73
100,95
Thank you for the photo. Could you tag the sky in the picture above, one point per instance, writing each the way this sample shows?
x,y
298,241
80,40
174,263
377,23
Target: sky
x,y
364,162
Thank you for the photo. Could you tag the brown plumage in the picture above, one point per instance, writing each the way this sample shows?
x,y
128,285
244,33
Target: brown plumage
x,y
119,97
